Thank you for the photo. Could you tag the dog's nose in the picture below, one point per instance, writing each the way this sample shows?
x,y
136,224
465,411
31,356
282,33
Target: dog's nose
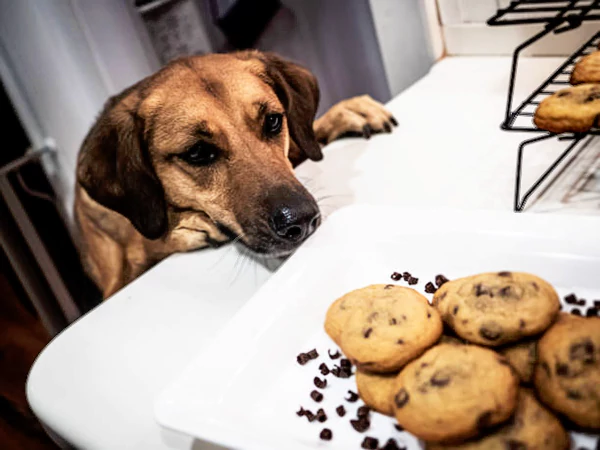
x,y
295,224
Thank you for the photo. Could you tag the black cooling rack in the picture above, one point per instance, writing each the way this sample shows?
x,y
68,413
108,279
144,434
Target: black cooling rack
x,y
569,13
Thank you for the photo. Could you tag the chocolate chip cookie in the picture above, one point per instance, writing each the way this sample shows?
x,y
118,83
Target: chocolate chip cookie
x,y
522,356
533,427
395,325
574,109
455,392
497,308
567,376
377,390
587,69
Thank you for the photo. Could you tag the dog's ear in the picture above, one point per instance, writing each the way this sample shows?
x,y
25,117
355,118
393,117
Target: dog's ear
x,y
298,91
114,168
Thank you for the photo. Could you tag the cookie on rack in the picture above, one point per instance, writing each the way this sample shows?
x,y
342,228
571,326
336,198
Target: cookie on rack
x,y
587,69
455,392
393,327
377,390
575,109
533,427
497,308
567,376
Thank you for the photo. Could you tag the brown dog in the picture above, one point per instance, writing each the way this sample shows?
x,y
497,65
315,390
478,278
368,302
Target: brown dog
x,y
202,153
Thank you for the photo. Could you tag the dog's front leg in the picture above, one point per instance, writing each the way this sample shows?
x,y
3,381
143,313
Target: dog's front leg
x,y
357,116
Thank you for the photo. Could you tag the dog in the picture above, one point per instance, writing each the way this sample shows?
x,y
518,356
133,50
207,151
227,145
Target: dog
x,y
202,153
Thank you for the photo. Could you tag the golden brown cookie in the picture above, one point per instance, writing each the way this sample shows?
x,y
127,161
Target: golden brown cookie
x,y
587,69
532,428
396,325
455,392
567,377
522,356
574,109
498,307
377,390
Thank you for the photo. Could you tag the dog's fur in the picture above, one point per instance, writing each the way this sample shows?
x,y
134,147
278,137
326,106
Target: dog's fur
x,y
139,199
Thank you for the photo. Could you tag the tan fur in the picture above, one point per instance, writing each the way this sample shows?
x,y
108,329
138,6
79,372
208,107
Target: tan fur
x,y
134,146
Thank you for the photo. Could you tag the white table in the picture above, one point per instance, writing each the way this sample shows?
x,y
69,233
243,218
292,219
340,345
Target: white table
x,y
95,384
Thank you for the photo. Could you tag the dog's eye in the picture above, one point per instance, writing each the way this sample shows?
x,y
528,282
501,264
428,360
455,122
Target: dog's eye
x,y
273,124
200,155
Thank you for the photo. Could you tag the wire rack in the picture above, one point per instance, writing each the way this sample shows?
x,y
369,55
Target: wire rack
x,y
557,16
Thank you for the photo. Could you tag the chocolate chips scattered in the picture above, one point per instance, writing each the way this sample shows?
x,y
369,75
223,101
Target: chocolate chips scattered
x,y
301,413
345,364
575,312
324,369
370,443
303,358
361,425
352,397
398,427
412,281
430,288
406,276
321,384
391,445
597,303
593,312
341,372
336,355
571,299
396,276
321,416
363,411
326,434
340,410
440,280
316,396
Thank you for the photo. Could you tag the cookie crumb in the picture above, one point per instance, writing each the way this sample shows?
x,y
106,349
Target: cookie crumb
x,y
326,434
352,397
370,443
430,288
316,396
336,355
321,384
340,410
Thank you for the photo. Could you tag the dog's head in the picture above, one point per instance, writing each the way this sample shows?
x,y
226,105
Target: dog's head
x,y
211,137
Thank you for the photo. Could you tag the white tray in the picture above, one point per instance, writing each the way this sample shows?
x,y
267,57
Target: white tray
x,y
244,389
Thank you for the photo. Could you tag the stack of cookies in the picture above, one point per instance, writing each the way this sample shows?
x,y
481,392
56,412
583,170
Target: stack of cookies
x,y
577,108
491,364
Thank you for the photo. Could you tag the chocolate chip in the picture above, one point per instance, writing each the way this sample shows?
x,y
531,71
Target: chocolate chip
x,y
513,444
367,332
401,398
440,280
391,445
398,427
484,420
340,410
582,351
581,302
546,368
310,416
574,395
505,291
455,310
324,369
370,443
428,315
561,369
482,290
535,286
575,312
396,276
345,364
336,355
592,97
521,323
571,299
313,354
406,276
361,425
316,396
400,341
303,358
363,411
491,331
326,434
439,379
321,384
301,413
341,372
352,397
321,416
412,281
393,321
504,274
388,286
597,303
430,288
592,312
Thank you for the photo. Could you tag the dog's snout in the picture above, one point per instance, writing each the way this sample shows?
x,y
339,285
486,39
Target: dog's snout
x,y
294,224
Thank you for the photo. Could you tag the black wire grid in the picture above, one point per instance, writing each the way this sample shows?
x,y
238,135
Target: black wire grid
x,y
558,16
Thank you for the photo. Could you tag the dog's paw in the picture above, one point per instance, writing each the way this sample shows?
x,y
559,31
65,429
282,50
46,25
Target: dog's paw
x,y
357,116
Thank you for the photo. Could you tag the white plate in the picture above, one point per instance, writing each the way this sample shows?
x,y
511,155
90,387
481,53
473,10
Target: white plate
x,y
243,390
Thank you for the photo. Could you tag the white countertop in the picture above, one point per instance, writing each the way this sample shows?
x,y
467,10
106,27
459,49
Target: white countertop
x,y
95,383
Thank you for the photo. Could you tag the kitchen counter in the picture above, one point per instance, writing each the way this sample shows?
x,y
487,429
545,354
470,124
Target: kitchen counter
x,y
95,383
